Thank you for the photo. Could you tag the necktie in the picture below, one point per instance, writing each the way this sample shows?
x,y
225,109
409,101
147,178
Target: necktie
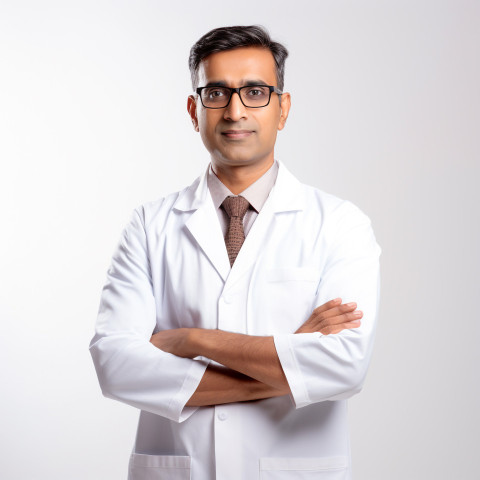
x,y
236,207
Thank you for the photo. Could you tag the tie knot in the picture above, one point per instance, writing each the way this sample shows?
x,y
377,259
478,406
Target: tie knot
x,y
235,206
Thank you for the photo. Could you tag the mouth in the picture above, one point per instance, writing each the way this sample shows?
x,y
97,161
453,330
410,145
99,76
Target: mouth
x,y
237,134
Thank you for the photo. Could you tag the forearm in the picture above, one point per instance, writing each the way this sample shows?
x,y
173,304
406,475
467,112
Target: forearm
x,y
221,385
253,356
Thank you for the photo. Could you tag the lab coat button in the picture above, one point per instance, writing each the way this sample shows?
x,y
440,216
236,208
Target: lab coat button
x,y
222,416
227,299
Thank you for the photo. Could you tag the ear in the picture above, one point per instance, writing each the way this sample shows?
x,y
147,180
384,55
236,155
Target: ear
x,y
192,111
285,104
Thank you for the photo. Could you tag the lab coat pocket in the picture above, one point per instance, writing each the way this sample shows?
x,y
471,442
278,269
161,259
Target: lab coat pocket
x,y
320,468
158,467
289,297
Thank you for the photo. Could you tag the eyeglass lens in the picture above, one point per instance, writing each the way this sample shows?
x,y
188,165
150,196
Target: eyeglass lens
x,y
218,97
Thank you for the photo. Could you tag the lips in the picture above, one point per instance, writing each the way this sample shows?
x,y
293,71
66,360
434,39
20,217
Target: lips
x,y
237,133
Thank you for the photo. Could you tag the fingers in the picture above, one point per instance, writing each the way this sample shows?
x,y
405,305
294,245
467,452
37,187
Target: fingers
x,y
332,317
345,317
329,327
327,306
332,329
338,319
334,308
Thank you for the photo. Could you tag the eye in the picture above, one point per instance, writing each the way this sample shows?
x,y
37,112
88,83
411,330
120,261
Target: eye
x,y
214,92
257,92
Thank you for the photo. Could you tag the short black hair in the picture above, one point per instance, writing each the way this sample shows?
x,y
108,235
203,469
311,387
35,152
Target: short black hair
x,y
228,38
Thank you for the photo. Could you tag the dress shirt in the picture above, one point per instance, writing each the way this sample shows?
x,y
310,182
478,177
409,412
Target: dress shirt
x,y
256,194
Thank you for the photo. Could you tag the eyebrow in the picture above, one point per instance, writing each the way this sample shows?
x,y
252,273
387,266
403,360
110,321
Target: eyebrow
x,y
245,83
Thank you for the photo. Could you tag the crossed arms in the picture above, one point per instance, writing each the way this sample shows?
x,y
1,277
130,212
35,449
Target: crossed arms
x,y
167,374
250,368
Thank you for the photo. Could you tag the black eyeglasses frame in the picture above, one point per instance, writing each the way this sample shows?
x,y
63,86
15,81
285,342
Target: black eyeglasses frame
x,y
271,89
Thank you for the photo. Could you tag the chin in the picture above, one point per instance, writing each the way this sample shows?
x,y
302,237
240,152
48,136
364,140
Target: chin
x,y
232,158
237,161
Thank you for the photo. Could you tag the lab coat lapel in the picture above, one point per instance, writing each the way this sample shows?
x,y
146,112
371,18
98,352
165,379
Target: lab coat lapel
x,y
286,196
203,224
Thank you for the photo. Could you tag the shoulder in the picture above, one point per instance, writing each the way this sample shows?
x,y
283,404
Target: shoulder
x,y
157,211
339,221
348,230
333,209
314,202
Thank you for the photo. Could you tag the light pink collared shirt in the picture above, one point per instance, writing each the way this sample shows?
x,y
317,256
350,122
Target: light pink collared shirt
x,y
256,194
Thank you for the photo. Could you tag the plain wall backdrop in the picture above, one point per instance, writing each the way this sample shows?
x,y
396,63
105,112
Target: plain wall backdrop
x,y
93,123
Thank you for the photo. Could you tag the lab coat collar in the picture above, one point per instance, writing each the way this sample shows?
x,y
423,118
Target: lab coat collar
x,y
286,194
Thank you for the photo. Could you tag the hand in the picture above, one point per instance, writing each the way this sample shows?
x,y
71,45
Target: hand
x,y
177,341
332,317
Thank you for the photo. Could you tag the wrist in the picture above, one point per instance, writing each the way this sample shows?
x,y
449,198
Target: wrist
x,y
259,390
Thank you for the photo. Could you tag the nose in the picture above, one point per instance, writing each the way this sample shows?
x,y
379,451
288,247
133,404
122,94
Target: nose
x,y
235,110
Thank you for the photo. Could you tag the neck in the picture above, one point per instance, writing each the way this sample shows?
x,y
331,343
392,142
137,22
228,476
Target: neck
x,y
238,178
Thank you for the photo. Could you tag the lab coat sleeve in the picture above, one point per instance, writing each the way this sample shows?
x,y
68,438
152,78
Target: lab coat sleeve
x,y
130,368
333,367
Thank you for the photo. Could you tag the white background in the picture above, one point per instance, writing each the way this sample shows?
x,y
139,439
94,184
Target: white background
x,y
93,123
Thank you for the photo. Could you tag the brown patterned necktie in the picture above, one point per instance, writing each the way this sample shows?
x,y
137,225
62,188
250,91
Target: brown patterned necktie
x,y
236,207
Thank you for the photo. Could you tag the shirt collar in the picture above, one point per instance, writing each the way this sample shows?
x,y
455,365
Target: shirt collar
x,y
256,194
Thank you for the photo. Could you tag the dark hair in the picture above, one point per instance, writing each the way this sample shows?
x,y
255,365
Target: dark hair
x,y
228,38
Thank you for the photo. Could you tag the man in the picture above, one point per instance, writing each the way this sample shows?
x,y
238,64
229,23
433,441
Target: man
x,y
220,318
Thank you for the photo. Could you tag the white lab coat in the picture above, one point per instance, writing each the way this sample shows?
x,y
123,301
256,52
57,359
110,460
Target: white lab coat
x,y
171,270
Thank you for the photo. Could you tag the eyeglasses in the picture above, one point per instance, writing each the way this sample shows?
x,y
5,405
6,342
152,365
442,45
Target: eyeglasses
x,y
252,96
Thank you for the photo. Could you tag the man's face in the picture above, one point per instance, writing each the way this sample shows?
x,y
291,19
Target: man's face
x,y
237,135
